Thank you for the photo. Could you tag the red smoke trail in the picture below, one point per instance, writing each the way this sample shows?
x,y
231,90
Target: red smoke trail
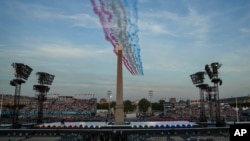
x,y
105,17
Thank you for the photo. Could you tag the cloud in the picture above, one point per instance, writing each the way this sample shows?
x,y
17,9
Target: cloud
x,y
31,11
245,30
236,61
58,51
193,25
79,19
54,50
153,28
143,1
150,22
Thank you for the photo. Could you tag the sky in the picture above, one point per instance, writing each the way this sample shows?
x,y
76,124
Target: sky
x,y
177,38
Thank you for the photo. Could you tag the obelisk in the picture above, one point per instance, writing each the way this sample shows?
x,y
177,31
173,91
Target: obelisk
x,y
119,112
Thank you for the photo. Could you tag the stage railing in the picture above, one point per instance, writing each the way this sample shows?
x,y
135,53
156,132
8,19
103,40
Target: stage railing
x,y
116,134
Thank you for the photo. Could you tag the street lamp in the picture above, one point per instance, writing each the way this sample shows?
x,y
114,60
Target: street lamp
x,y
109,96
237,109
22,72
44,79
150,94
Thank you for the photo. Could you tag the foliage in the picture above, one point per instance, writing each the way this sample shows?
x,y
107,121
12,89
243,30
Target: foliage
x,y
102,106
144,105
128,106
106,105
112,104
240,104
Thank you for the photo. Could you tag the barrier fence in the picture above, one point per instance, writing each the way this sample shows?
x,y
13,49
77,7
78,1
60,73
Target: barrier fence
x,y
118,134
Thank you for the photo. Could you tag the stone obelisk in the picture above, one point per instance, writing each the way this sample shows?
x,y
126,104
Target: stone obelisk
x,y
119,112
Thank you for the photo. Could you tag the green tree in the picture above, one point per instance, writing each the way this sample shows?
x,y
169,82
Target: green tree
x,y
112,104
128,106
106,105
161,103
156,106
102,106
143,104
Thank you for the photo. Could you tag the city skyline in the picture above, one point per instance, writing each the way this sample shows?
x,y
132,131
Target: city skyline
x,y
177,38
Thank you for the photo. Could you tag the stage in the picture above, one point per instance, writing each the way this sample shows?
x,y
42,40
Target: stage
x,y
155,124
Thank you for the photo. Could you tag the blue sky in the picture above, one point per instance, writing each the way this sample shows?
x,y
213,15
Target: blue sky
x,y
177,38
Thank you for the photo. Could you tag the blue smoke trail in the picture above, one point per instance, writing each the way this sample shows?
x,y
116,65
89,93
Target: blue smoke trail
x,y
120,24
119,20
102,9
132,32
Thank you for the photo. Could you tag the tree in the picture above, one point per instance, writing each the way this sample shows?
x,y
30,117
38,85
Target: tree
x,y
128,106
112,104
102,106
161,103
143,104
156,106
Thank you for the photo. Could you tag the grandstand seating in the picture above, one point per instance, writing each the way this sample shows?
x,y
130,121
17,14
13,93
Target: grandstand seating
x,y
57,108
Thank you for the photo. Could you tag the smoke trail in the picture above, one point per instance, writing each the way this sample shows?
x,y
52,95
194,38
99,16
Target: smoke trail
x,y
119,21
132,31
105,20
120,24
105,17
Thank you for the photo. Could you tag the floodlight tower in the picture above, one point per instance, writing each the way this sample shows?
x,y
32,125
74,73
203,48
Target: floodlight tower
x,y
44,79
150,94
212,71
109,96
22,72
211,100
198,79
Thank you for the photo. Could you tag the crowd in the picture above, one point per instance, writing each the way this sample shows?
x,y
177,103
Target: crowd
x,y
56,108
71,108
192,113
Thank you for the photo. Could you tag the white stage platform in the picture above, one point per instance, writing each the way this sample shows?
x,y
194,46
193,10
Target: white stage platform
x,y
156,124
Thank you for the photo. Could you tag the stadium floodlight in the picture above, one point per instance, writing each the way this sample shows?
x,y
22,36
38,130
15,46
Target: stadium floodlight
x,y
212,71
22,71
209,72
198,77
211,97
45,78
202,88
150,94
16,82
215,66
42,96
109,96
41,88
